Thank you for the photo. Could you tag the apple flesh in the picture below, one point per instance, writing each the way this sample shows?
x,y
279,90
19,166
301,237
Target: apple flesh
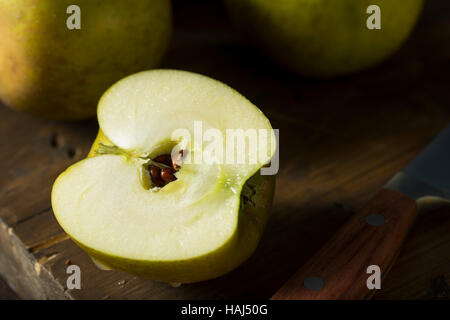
x,y
200,226
323,38
50,71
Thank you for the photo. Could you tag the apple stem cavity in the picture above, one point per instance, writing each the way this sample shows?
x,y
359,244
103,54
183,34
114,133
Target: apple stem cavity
x,y
156,172
161,173
162,168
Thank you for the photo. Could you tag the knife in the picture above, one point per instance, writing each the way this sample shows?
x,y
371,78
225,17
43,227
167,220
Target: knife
x,y
374,234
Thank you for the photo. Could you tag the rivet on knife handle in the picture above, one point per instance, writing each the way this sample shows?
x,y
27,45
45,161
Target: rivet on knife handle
x,y
371,237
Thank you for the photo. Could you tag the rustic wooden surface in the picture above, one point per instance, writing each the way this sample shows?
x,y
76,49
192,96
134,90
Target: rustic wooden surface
x,y
341,140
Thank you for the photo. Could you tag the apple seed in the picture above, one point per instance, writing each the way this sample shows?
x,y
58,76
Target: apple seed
x,y
164,159
155,174
167,175
162,170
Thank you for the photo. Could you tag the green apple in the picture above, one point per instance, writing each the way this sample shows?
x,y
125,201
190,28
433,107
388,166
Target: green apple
x,y
48,70
197,227
325,38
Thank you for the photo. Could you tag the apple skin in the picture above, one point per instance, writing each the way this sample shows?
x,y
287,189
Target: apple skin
x,y
251,224
324,38
53,72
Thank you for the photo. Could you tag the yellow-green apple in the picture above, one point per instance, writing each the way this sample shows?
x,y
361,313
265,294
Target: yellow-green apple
x,y
203,222
325,38
50,70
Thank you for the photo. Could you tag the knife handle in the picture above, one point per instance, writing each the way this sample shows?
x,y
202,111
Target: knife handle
x,y
372,236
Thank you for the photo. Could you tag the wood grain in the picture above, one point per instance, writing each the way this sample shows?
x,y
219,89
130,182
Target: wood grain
x,y
341,140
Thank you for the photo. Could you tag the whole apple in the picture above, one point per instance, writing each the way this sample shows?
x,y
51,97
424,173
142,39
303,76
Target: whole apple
x,y
50,70
325,38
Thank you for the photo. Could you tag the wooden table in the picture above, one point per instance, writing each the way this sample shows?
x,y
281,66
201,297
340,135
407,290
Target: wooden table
x,y
341,140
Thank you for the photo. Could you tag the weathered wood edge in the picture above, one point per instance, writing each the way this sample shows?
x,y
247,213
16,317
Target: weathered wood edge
x,y
27,277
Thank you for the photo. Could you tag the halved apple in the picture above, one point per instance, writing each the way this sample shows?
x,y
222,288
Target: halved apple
x,y
197,227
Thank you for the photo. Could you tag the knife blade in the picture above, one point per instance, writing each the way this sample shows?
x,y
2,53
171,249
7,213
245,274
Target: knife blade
x,y
374,234
427,178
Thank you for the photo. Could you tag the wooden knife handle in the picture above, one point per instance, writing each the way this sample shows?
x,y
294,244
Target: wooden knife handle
x,y
372,236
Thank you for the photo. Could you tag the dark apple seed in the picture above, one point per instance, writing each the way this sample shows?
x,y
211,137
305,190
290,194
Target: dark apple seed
x,y
167,175
155,174
164,159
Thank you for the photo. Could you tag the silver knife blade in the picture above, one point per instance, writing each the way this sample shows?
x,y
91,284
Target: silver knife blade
x,y
428,175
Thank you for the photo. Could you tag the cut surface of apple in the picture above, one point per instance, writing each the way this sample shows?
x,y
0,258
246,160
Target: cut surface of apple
x,y
199,226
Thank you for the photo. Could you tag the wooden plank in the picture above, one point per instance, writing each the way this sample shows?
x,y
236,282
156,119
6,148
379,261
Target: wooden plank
x,y
341,140
33,153
40,231
23,272
423,268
